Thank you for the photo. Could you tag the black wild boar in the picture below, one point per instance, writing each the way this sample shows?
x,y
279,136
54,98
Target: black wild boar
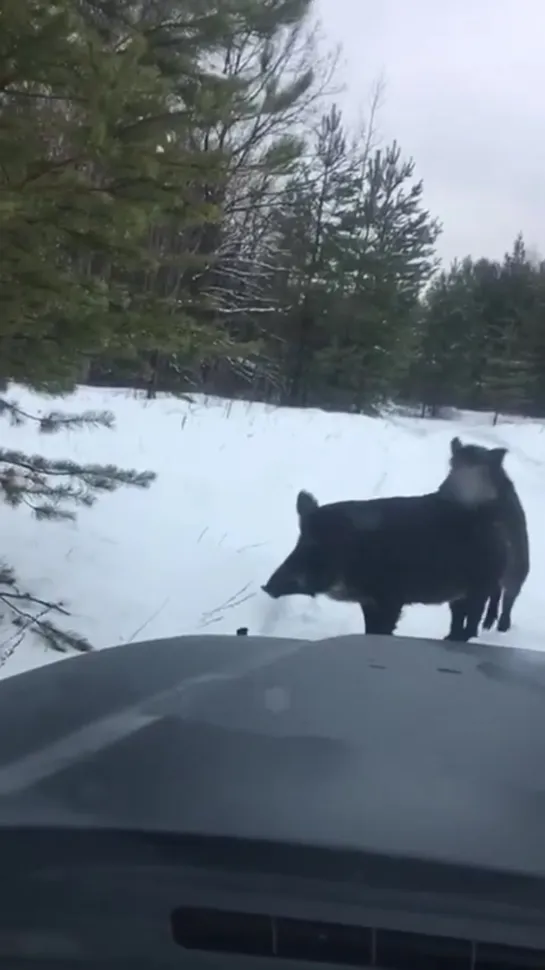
x,y
389,552
478,477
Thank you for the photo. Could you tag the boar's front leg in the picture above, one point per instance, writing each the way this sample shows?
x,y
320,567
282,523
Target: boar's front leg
x,y
457,621
381,618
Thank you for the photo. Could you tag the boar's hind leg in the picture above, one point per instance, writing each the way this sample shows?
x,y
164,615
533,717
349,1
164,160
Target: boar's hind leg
x,y
475,607
493,609
504,622
381,617
466,615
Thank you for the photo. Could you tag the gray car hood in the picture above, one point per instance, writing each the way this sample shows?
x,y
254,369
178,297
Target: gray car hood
x,y
382,744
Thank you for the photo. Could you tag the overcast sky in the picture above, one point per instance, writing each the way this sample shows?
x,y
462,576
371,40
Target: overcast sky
x,y
465,97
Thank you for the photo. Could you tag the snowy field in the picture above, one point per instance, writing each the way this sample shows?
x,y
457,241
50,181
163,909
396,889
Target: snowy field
x,y
189,554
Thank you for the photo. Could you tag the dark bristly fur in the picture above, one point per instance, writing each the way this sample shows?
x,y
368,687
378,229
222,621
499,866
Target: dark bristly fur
x,y
389,552
486,467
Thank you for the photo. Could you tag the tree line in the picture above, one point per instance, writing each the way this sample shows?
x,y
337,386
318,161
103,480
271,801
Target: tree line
x,y
183,207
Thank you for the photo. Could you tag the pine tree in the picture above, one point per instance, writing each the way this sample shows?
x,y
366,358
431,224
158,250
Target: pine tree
x,y
509,375
305,232
258,83
481,335
94,156
357,245
448,342
390,258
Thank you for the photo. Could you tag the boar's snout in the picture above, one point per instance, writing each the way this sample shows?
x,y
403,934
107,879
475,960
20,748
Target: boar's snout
x,y
288,580
275,588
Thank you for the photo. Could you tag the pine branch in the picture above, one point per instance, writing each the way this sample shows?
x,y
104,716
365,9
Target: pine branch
x,y
20,604
27,479
61,640
57,420
27,598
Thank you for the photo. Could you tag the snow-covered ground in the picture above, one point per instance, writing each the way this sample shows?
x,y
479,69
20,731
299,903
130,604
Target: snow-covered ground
x,y
189,554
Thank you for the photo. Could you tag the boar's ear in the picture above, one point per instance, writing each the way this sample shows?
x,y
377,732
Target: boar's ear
x,y
497,455
455,445
305,504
